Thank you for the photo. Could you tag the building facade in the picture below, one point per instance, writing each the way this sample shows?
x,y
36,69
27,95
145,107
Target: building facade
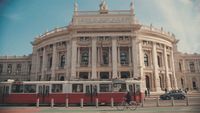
x,y
106,45
15,67
188,71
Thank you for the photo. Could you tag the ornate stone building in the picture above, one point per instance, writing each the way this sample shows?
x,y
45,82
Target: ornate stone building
x,y
15,67
188,70
106,45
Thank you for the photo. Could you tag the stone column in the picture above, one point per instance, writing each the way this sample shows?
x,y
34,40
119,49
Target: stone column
x,y
74,58
141,65
173,70
53,63
166,70
94,58
156,72
43,63
114,57
135,55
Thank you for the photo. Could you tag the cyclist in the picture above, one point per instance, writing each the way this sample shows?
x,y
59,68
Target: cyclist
x,y
128,98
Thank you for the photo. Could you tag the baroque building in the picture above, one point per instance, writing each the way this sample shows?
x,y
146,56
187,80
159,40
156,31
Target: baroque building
x,y
106,45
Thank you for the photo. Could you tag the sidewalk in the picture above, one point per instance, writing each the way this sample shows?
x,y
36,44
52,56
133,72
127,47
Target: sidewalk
x,y
101,109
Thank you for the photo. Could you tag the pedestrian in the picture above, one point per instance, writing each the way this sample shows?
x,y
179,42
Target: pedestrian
x,y
148,91
145,92
165,90
186,91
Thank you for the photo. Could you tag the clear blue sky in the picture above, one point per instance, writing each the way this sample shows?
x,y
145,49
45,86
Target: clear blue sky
x,y
22,20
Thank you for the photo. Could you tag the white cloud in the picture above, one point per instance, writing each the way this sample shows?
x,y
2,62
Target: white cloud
x,y
184,20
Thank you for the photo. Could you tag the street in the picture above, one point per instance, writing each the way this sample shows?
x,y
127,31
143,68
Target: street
x,y
104,109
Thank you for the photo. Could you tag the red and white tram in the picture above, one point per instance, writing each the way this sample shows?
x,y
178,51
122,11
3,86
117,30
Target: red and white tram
x,y
27,92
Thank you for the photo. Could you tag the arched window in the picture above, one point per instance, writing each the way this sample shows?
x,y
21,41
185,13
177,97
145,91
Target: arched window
x,y
62,61
85,58
182,82
180,68
146,60
159,62
49,61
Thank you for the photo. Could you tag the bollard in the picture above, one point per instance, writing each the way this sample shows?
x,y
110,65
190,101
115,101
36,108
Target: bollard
x,y
187,101
52,102
67,103
81,102
38,103
157,102
142,102
172,101
97,102
112,102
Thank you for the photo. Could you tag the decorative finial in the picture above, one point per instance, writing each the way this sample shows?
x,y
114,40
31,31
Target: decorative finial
x,y
103,7
75,6
132,6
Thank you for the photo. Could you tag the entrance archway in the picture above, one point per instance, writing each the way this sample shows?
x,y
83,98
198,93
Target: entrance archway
x,y
147,82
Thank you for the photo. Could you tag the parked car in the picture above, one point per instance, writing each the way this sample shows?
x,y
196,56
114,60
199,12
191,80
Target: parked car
x,y
176,94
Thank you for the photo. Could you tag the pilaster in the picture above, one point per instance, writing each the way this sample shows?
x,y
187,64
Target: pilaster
x,y
74,58
43,63
53,63
173,70
166,70
94,56
156,74
114,56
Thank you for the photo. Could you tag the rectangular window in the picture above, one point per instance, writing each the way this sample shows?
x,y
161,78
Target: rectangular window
x,y
105,88
29,88
17,88
57,88
77,87
192,67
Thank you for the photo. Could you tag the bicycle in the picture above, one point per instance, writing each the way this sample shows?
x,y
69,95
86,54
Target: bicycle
x,y
132,105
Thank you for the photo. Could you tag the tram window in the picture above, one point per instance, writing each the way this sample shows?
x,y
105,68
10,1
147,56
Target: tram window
x,y
1,89
105,88
122,87
17,88
29,88
137,87
56,88
40,89
77,87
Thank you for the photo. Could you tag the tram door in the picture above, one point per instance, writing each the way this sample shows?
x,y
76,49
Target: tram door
x,y
43,93
4,91
91,92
